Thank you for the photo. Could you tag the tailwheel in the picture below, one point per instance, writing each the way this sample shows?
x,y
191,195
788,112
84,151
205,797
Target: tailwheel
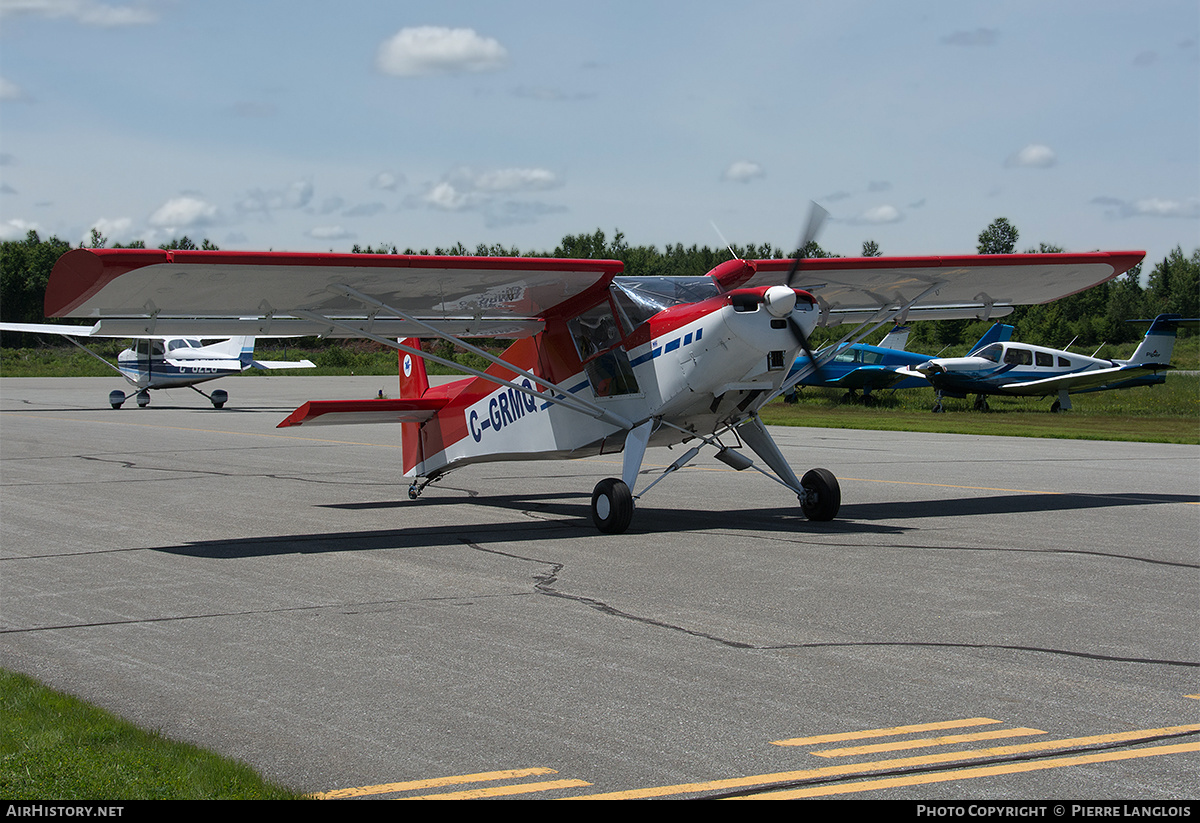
x,y
612,506
822,495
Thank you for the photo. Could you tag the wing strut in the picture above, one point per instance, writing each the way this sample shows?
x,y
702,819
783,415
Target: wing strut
x,y
564,397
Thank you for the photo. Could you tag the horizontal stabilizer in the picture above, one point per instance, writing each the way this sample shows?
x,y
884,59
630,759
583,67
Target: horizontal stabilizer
x,y
405,410
282,364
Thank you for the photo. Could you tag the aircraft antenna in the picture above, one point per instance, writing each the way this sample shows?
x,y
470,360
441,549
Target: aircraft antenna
x,y
732,253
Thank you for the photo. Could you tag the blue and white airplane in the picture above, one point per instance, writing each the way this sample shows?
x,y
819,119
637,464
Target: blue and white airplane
x,y
168,362
1020,369
864,368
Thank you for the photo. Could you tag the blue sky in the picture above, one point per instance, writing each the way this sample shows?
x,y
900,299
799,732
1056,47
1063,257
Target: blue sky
x,y
312,126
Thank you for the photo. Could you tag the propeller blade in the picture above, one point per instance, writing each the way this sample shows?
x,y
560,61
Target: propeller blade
x,y
816,219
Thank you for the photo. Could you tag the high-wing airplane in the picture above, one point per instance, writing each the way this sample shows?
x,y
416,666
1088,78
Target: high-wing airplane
x,y
600,363
1035,371
862,367
156,362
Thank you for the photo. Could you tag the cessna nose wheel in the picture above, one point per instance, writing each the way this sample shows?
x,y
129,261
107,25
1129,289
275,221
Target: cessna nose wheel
x,y
612,506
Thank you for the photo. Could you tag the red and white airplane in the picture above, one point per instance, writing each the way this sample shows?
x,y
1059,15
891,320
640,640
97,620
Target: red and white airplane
x,y
601,362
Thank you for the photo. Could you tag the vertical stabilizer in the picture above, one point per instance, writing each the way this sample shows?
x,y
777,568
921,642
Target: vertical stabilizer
x,y
896,339
414,382
1159,342
998,333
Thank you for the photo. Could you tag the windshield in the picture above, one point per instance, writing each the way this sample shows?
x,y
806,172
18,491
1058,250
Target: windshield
x,y
643,297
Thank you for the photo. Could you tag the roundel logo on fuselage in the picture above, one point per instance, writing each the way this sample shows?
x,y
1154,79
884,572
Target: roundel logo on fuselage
x,y
408,365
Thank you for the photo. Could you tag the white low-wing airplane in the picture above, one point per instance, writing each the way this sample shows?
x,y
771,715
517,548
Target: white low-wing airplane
x,y
601,362
1019,369
156,362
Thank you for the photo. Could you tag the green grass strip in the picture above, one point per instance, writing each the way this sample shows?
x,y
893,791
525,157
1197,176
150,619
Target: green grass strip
x,y
56,747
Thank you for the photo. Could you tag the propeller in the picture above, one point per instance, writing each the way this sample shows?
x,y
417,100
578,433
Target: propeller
x,y
816,219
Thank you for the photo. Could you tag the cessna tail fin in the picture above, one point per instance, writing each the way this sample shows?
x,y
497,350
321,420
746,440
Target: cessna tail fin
x,y
235,348
896,339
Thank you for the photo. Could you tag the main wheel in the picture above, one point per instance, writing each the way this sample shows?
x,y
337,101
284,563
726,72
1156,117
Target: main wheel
x,y
219,398
612,506
822,495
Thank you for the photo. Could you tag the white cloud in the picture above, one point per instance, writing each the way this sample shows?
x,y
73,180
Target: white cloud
x,y
330,233
978,37
16,229
412,52
295,196
447,198
119,230
879,215
517,179
181,213
87,12
882,214
387,181
1033,156
1152,207
743,171
10,91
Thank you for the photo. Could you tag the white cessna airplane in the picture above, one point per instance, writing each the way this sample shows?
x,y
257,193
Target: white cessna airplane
x,y
155,362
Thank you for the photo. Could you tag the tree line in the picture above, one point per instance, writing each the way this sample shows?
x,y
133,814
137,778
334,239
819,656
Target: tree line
x,y
1090,318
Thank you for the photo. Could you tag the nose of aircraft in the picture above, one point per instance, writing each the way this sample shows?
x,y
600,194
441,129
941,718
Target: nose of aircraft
x,y
780,300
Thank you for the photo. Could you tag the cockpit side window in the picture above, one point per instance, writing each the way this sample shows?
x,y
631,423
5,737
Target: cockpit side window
x,y
1018,357
595,330
597,336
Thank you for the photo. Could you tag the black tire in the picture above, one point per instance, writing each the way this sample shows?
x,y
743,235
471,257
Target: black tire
x,y
823,495
612,506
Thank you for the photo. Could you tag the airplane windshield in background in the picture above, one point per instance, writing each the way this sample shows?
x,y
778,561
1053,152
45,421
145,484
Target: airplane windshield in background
x,y
643,297
992,353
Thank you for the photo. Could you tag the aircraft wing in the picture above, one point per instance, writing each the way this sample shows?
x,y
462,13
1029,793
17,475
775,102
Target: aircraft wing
x,y
853,289
871,377
404,410
50,328
218,293
1083,380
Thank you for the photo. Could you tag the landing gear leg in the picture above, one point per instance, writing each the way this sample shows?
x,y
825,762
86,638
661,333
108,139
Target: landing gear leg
x,y
981,403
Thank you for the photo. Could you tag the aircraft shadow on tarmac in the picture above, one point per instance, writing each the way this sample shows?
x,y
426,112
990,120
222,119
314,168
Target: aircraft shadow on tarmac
x,y
565,512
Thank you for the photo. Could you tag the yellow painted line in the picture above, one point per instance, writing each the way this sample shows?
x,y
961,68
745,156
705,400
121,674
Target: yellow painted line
x,y
926,742
504,791
866,734
453,780
981,771
734,783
